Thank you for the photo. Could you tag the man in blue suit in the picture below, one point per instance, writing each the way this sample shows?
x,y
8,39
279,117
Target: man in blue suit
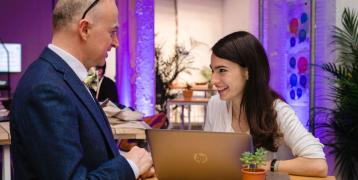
x,y
58,130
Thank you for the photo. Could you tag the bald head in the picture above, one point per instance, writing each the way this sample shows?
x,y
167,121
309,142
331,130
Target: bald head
x,y
85,29
68,11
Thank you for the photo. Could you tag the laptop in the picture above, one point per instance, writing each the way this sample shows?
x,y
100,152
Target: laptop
x,y
189,155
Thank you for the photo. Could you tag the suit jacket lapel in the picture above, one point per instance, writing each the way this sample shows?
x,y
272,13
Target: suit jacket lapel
x,y
80,90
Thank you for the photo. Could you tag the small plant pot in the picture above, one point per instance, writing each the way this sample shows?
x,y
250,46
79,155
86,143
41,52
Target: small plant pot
x,y
258,174
188,93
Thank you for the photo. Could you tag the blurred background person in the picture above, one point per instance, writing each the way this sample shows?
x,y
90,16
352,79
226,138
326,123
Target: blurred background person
x,y
106,88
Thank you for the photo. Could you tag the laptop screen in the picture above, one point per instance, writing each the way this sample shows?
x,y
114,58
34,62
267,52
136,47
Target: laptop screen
x,y
179,154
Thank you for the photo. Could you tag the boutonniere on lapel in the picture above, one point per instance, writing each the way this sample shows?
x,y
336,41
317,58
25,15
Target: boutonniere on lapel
x,y
91,81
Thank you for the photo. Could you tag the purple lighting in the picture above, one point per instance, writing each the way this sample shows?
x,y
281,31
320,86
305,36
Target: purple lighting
x,y
287,45
123,69
145,80
277,43
135,55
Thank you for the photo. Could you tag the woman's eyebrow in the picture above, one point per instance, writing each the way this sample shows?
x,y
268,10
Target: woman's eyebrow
x,y
219,67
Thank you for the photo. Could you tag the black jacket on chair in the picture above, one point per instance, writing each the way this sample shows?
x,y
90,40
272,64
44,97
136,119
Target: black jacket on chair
x,y
107,89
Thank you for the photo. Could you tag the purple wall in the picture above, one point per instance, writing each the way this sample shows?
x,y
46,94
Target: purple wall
x,y
135,55
275,42
325,20
28,23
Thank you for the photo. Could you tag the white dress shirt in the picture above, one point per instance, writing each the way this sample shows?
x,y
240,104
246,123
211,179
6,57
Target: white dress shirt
x,y
295,137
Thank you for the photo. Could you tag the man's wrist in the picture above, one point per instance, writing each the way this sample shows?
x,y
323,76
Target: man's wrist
x,y
134,168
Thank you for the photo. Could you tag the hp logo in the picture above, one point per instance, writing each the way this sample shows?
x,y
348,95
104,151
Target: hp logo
x,y
200,158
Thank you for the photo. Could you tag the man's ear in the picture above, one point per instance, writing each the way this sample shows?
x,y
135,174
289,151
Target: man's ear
x,y
83,29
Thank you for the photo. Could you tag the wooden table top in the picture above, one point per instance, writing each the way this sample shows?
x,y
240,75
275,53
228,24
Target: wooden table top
x,y
192,100
118,133
292,177
5,138
128,133
204,87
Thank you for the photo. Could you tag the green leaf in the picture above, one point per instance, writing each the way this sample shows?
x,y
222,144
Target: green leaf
x,y
340,127
253,160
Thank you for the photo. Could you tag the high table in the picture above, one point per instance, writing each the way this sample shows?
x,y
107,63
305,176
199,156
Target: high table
x,y
203,88
5,141
127,133
119,133
292,177
186,102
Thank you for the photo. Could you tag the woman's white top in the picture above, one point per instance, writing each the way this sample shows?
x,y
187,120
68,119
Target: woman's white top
x,y
300,142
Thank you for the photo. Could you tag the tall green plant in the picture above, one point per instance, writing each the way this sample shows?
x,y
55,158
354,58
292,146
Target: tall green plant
x,y
341,127
166,71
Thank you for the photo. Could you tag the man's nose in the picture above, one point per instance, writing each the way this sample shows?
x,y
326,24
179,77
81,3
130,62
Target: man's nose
x,y
115,42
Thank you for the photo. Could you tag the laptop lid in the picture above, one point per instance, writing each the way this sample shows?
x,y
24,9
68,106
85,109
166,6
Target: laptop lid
x,y
179,154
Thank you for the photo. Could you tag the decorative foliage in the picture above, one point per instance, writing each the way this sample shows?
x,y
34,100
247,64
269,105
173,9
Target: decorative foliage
x,y
253,160
167,70
341,128
92,79
206,73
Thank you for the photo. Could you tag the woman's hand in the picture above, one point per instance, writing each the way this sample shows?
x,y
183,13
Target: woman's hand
x,y
266,166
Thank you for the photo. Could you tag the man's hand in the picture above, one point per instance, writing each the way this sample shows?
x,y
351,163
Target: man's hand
x,y
141,158
148,174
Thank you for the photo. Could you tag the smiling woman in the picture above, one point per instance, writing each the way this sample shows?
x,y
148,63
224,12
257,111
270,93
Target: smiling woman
x,y
246,104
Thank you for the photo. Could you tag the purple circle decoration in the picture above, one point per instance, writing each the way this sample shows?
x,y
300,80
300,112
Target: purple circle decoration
x,y
304,17
299,93
302,35
294,25
292,94
303,80
293,80
302,64
292,62
293,41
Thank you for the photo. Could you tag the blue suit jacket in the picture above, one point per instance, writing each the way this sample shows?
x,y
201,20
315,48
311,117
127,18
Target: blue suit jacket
x,y
58,131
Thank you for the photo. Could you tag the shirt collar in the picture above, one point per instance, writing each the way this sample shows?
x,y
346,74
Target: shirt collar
x,y
73,62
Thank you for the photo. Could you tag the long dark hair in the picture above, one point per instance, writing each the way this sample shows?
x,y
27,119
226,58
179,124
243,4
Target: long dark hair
x,y
244,49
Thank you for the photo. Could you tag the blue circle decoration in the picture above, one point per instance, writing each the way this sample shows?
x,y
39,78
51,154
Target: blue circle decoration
x,y
292,94
304,17
303,80
292,62
293,80
293,41
302,35
299,92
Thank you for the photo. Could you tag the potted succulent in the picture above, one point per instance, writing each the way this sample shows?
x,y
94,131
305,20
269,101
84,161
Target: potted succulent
x,y
188,92
251,163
